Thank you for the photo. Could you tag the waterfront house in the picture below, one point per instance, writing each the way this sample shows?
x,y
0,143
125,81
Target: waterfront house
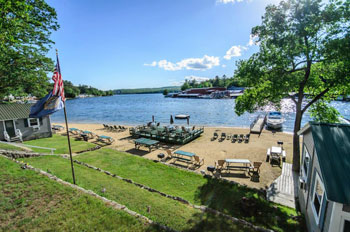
x,y
15,124
324,183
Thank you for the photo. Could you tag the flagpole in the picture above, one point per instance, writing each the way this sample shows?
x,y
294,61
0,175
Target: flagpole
x,y
70,148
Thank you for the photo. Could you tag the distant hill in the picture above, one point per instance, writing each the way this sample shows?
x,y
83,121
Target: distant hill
x,y
148,90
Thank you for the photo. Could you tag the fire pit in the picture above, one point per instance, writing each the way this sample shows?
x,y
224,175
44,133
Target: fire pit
x,y
211,169
161,156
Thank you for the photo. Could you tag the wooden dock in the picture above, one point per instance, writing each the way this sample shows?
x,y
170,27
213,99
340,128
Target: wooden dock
x,y
257,126
283,189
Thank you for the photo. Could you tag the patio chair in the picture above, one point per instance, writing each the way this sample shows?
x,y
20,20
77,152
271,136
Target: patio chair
x,y
255,169
234,138
169,153
223,137
246,138
198,161
220,165
105,126
215,136
116,128
228,137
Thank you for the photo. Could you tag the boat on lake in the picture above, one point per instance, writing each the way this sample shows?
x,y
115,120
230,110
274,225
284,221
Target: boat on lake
x,y
274,120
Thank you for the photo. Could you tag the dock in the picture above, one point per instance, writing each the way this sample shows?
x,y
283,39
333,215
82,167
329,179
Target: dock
x,y
283,189
257,126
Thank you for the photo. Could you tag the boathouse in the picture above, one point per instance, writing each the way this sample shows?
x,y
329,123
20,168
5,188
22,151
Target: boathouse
x,y
324,183
15,124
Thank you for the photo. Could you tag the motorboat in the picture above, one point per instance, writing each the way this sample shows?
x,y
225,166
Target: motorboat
x,y
274,120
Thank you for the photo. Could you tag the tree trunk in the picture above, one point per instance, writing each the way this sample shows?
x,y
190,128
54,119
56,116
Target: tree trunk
x,y
296,142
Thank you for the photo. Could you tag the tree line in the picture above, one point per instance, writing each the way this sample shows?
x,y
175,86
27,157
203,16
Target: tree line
x,y
216,82
72,91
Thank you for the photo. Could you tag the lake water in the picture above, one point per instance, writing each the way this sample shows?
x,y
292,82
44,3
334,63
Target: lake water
x,y
135,109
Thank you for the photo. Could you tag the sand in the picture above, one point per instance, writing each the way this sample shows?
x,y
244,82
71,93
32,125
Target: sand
x,y
212,151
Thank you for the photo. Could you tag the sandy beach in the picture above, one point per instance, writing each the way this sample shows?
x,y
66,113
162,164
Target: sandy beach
x,y
210,150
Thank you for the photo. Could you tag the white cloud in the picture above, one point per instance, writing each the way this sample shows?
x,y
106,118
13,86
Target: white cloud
x,y
196,78
224,65
153,64
231,1
204,63
234,51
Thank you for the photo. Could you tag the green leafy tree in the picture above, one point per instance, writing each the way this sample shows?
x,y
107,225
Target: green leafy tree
x,y
304,55
25,28
185,86
165,92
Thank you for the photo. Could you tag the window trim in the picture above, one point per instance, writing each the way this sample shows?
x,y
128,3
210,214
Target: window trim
x,y
305,152
317,215
33,126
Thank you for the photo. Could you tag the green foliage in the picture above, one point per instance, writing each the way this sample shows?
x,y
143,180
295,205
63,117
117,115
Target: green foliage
x,y
165,92
70,90
322,112
32,202
216,82
84,89
304,49
25,28
147,90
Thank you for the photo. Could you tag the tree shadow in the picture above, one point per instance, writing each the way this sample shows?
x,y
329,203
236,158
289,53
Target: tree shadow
x,y
137,152
245,203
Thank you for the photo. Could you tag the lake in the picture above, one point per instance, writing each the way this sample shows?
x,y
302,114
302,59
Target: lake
x,y
135,109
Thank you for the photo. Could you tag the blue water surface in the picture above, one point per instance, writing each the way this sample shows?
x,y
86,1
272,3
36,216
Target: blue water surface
x,y
135,109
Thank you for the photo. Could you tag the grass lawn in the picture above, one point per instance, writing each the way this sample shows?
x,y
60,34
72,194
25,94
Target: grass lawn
x,y
60,143
32,202
162,210
195,188
10,147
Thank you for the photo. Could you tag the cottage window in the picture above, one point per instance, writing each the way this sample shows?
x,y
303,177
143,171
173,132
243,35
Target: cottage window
x,y
346,227
306,163
33,122
317,197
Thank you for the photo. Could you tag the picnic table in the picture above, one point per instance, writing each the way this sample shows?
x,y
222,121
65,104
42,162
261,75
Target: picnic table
x,y
183,156
146,143
237,164
105,139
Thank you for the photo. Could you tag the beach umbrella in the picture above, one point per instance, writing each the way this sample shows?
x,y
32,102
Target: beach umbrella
x,y
188,120
171,119
152,118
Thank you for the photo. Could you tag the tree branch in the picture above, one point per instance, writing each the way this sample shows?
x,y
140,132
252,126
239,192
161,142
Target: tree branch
x,y
318,97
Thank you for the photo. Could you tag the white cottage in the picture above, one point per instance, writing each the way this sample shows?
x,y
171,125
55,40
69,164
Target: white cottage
x,y
324,188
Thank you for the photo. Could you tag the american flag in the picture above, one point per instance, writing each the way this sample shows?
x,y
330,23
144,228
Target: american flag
x,y
58,89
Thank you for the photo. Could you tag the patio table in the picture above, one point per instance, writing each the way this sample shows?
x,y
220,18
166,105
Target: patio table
x,y
183,156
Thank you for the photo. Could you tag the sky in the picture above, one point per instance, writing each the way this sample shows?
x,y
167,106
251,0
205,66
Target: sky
x,y
114,44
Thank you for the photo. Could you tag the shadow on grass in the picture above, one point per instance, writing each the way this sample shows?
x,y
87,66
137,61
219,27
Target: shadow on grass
x,y
247,204
212,222
138,152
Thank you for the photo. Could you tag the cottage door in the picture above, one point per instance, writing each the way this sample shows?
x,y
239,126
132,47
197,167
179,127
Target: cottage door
x,y
10,128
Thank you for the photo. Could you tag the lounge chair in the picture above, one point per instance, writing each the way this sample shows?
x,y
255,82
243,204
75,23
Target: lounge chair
x,y
228,137
116,128
198,161
220,165
234,138
240,138
215,136
246,138
223,137
105,126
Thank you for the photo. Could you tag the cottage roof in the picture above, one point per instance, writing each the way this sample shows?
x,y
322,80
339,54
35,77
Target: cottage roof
x,y
332,145
14,111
